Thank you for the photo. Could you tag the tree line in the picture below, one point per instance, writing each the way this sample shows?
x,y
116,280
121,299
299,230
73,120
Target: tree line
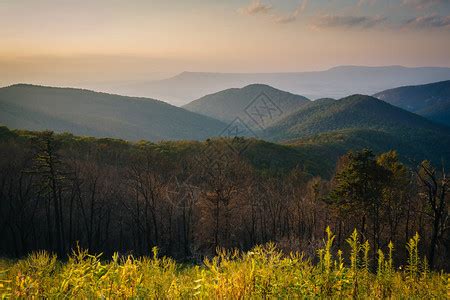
x,y
189,198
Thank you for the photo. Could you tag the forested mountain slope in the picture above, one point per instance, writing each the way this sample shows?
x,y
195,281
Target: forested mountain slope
x,y
429,100
363,121
84,112
232,103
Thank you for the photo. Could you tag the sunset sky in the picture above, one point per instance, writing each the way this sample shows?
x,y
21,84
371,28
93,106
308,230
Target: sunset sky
x,y
78,41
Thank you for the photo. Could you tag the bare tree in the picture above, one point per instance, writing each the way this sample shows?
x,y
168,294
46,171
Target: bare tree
x,y
435,189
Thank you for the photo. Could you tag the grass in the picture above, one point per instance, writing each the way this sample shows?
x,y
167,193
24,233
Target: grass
x,y
264,272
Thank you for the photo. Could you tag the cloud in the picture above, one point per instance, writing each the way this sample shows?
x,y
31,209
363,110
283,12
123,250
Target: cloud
x,y
348,21
293,16
426,22
285,19
424,4
364,2
255,7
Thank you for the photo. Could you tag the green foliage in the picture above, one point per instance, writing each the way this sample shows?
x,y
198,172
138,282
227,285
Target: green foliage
x,y
413,256
269,158
263,272
385,266
359,183
366,259
355,248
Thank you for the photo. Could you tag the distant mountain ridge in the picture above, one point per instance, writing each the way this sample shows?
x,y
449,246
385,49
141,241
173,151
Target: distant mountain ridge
x,y
349,119
353,112
429,100
241,103
336,82
84,112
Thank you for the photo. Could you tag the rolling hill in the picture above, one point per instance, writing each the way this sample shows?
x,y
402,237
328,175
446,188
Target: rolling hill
x,y
84,112
429,100
317,132
336,82
362,121
246,103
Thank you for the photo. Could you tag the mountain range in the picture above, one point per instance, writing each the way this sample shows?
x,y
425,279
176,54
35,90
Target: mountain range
x,y
84,112
429,100
320,131
355,122
336,82
353,112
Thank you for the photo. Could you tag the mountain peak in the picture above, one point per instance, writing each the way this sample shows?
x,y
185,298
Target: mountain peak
x,y
258,86
360,98
229,104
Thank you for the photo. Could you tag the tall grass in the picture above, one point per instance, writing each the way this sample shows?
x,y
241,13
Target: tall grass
x,y
264,272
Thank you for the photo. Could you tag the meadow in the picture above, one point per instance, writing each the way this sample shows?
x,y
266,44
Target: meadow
x,y
263,272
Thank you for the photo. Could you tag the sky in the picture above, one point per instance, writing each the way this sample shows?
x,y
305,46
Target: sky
x,y
62,41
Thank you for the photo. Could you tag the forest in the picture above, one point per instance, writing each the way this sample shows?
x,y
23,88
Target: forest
x,y
188,199
245,149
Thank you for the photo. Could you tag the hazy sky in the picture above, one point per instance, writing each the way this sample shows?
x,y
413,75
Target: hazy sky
x,y
77,41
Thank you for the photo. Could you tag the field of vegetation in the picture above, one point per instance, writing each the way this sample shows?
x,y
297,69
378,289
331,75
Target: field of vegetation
x,y
263,272
185,200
